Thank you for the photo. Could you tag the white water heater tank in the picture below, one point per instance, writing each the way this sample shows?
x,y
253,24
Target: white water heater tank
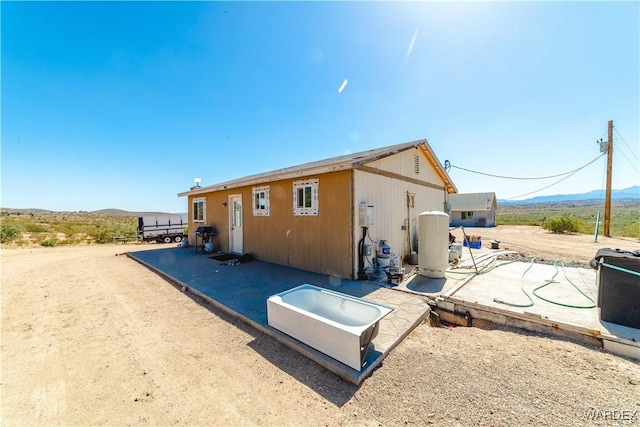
x,y
433,241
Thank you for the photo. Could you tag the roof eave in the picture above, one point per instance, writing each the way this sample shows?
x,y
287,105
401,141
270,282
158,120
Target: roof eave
x,y
437,166
315,169
270,177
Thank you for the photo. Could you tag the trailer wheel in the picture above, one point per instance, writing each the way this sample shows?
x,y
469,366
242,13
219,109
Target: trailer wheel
x,y
177,239
167,239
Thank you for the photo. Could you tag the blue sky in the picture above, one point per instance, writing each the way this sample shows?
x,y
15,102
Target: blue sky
x,y
123,104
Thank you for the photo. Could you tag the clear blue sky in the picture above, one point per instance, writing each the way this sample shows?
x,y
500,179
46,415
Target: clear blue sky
x,y
122,104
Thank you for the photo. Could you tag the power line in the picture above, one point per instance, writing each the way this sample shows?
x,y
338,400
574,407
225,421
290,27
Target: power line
x,y
560,180
625,143
449,165
627,159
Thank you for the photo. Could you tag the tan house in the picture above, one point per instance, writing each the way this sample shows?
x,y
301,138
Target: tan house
x,y
311,216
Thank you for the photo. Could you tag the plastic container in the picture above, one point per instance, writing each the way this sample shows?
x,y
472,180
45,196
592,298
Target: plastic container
x,y
384,250
382,263
457,247
618,291
472,245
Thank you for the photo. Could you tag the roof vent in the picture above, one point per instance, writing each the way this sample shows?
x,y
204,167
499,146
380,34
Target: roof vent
x,y
416,164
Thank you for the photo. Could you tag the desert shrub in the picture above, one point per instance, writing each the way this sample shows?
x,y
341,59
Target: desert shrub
x,y
633,230
563,224
10,232
106,233
35,228
49,243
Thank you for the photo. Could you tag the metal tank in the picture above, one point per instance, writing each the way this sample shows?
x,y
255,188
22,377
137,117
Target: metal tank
x,y
433,244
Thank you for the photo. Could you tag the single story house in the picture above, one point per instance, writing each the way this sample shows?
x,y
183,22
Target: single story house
x,y
311,216
473,209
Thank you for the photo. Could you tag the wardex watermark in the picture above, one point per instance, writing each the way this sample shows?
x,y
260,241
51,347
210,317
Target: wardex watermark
x,y
594,414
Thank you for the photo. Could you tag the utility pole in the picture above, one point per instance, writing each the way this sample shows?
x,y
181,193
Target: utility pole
x,y
607,201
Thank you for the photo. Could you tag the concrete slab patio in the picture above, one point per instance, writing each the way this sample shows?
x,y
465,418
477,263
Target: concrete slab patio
x,y
543,297
242,290
504,292
496,293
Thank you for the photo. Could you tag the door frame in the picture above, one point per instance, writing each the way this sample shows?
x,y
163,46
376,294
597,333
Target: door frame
x,y
236,238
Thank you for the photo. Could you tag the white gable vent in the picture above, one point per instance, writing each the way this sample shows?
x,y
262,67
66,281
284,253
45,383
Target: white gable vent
x,y
416,164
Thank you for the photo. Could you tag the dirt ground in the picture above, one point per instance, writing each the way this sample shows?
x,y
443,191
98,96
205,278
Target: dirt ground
x,y
532,241
91,338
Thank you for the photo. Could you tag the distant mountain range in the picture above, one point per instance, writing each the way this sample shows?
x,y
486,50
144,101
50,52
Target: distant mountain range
x,y
107,212
632,193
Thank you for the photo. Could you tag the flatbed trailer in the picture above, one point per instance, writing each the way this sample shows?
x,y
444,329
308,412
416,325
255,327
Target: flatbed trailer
x,y
162,229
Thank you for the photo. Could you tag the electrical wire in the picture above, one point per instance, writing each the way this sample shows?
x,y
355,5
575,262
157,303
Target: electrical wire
x,y
625,143
565,175
560,180
626,158
525,178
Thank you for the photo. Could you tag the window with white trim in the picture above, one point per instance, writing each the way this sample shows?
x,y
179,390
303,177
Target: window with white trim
x,y
261,200
466,215
199,209
305,197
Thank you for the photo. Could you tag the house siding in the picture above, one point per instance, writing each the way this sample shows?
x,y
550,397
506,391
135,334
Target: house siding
x,y
483,206
384,184
319,243
327,242
478,216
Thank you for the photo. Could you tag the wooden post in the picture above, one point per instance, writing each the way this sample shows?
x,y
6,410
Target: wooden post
x,y
607,201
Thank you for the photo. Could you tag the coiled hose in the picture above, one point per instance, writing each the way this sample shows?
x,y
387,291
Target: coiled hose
x,y
545,284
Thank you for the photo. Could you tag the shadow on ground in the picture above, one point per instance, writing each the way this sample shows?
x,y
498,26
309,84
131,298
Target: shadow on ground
x,y
325,383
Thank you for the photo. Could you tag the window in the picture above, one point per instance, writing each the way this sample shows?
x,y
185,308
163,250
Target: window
x,y
466,215
261,200
199,209
237,214
305,197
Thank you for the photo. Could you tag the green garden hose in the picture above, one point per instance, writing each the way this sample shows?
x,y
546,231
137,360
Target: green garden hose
x,y
548,282
499,301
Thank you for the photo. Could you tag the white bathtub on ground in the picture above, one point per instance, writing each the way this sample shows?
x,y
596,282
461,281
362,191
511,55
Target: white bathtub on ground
x,y
339,325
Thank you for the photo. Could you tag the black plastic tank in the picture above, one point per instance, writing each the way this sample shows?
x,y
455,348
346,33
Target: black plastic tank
x,y
618,290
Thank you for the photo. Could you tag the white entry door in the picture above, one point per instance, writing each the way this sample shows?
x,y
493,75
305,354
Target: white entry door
x,y
235,223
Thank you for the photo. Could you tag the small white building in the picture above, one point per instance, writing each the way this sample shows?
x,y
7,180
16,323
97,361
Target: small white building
x,y
473,209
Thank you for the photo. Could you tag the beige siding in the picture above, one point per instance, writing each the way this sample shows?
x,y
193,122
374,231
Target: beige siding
x,y
404,164
379,186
